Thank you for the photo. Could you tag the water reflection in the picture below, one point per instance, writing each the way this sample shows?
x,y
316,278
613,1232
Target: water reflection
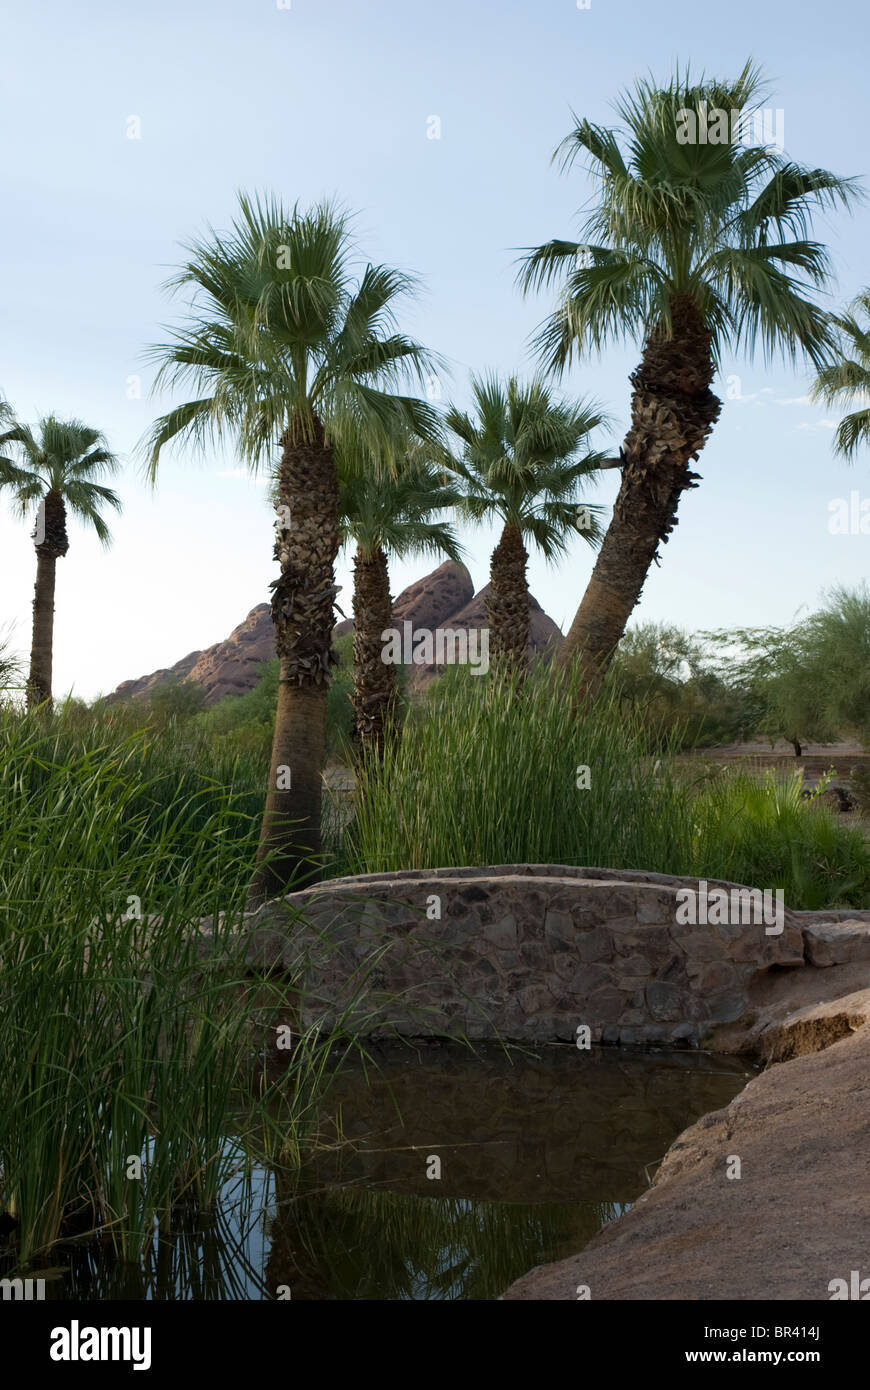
x,y
536,1152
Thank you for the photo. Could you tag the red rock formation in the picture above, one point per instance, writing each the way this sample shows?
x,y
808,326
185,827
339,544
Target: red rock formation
x,y
232,667
142,688
445,598
429,602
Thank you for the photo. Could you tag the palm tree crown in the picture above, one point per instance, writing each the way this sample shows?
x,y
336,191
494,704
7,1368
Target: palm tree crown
x,y
524,457
60,460
846,380
281,338
723,225
381,509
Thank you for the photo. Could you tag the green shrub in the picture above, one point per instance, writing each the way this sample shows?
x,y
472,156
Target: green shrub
x,y
767,834
668,676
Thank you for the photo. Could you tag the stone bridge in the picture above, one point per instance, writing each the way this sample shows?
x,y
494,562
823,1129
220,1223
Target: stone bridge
x,y
533,952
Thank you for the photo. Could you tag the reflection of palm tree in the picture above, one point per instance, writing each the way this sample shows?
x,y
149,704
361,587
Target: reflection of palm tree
x,y
359,1243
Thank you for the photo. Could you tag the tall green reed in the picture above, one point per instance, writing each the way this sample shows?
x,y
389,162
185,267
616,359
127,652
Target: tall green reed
x,y
132,1081
484,774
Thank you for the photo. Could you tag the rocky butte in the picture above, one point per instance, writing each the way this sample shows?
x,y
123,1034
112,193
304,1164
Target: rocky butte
x,y
445,598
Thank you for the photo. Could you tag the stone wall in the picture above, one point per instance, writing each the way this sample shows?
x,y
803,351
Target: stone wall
x,y
522,952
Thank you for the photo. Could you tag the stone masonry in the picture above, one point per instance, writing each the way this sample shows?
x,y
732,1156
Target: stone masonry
x,y
521,952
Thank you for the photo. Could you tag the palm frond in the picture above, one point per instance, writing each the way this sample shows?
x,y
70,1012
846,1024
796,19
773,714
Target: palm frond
x,y
720,221
522,455
279,335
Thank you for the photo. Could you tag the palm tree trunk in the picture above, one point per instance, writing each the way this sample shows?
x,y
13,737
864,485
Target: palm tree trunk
x,y
53,545
507,604
374,681
39,679
673,412
302,612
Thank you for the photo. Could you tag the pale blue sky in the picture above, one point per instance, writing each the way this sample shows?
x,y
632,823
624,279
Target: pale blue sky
x,y
332,97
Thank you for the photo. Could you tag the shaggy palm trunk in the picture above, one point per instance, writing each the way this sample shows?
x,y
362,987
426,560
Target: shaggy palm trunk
x,y
302,613
507,605
673,411
374,681
53,545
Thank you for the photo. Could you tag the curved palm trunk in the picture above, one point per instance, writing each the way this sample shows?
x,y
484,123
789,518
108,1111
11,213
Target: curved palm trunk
x,y
673,411
49,550
302,613
507,604
374,681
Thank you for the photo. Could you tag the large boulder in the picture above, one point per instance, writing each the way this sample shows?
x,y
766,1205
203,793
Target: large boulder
x,y
231,667
446,599
840,942
432,601
544,634
144,686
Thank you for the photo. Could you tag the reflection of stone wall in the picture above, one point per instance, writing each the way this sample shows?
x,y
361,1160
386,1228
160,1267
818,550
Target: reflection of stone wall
x,y
514,1127
521,952
537,1150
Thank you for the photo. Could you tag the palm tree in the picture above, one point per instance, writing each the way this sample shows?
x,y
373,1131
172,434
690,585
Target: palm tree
x,y
56,468
386,514
285,349
691,249
523,458
847,379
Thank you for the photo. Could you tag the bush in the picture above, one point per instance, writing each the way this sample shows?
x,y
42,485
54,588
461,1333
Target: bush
x,y
768,835
811,682
667,675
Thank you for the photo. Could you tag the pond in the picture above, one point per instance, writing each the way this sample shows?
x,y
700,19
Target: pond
x,y
444,1174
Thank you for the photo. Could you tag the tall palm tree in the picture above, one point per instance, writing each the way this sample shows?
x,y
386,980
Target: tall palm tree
x,y
523,458
846,379
286,349
384,514
691,249
55,468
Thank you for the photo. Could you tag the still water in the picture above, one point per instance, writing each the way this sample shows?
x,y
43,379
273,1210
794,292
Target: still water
x,y
449,1175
